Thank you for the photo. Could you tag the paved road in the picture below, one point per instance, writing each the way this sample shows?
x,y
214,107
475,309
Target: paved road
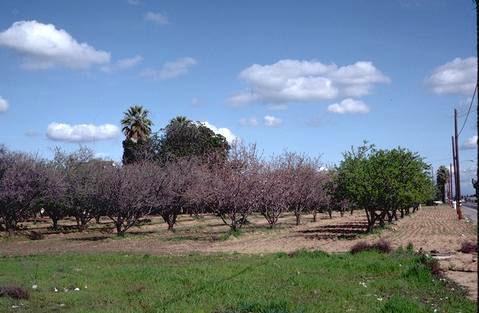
x,y
469,209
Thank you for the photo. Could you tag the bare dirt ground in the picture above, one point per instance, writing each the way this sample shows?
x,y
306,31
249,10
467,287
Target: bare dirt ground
x,y
432,229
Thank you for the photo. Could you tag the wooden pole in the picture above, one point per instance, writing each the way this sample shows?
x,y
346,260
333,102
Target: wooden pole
x,y
477,105
458,170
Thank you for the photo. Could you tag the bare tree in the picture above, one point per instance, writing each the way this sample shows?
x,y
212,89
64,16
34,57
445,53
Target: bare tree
x,y
20,181
53,193
301,172
125,193
272,191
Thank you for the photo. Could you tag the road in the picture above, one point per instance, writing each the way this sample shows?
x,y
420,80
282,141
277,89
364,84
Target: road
x,y
469,209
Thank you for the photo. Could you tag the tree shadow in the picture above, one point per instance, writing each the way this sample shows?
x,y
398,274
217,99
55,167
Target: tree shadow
x,y
90,238
338,231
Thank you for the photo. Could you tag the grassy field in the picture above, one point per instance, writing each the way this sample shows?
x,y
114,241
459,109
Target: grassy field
x,y
279,283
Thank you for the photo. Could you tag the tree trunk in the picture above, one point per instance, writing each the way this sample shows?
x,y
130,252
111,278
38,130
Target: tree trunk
x,y
10,226
298,218
390,217
119,231
55,223
371,220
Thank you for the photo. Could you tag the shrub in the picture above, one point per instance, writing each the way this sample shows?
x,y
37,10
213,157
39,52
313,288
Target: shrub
x,y
468,247
360,247
34,235
410,247
434,267
14,292
382,246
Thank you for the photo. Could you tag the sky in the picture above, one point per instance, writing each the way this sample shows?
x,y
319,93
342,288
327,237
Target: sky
x,y
315,77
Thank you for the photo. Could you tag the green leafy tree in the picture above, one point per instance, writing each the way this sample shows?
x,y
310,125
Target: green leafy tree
x,y
383,182
183,138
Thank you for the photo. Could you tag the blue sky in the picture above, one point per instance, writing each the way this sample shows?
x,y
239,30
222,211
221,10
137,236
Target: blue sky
x,y
311,76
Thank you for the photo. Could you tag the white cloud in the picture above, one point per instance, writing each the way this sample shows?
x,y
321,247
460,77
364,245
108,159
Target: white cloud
x,y
277,107
249,121
3,105
171,69
44,46
471,143
102,155
195,101
123,64
455,77
157,18
225,132
306,81
272,121
349,105
81,132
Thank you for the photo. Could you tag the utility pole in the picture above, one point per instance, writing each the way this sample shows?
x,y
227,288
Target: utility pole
x,y
457,172
454,167
477,106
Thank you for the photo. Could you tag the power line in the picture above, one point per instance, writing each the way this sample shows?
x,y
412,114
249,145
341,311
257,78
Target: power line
x,y
469,110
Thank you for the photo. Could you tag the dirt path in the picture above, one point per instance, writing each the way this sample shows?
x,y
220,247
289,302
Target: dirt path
x,y
431,229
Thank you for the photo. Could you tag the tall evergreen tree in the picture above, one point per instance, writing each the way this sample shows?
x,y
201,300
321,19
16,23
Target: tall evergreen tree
x,y
442,176
136,125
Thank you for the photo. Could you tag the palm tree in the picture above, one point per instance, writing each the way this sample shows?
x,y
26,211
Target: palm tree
x,y
442,176
136,123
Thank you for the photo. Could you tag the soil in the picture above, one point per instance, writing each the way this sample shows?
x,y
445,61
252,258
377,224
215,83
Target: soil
x,y
433,230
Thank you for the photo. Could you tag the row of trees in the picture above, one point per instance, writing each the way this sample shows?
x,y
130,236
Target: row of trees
x,y
187,168
232,186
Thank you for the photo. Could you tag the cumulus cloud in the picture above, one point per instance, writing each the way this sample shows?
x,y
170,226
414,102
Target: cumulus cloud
x,y
44,46
249,121
171,69
123,64
306,81
225,132
272,121
455,77
157,18
3,105
81,132
471,143
349,105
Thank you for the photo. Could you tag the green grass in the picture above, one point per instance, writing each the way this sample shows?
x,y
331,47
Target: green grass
x,y
279,283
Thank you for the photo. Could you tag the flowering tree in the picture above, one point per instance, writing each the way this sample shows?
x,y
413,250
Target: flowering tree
x,y
171,185
81,172
125,193
53,193
20,185
302,173
272,191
